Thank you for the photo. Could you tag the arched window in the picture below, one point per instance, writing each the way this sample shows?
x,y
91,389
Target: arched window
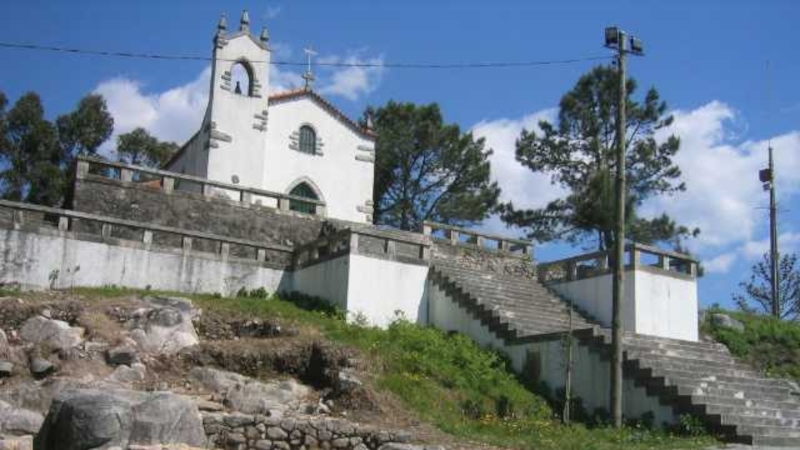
x,y
241,79
308,139
305,191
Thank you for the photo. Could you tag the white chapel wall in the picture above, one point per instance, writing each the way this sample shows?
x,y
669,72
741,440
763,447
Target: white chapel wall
x,y
344,182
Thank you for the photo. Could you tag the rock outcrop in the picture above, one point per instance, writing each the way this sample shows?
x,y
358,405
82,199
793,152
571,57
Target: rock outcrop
x,y
103,419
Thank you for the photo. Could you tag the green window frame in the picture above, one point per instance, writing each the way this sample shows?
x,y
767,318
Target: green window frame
x,y
308,140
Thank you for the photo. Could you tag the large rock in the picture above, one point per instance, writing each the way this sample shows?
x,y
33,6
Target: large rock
x,y
251,396
18,421
102,419
55,334
725,321
165,327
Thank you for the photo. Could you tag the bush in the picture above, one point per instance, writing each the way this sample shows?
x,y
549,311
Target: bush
x,y
769,344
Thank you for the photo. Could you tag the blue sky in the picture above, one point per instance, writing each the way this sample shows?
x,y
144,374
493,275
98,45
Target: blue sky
x,y
707,59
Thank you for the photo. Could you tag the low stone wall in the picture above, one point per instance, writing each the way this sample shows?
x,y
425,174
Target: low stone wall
x,y
191,211
257,432
474,257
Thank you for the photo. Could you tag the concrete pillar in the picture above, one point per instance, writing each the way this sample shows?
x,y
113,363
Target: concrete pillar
x,y
147,237
207,190
424,252
246,197
81,170
635,256
427,230
505,246
391,247
480,241
663,262
187,244
571,271
168,185
224,249
126,175
353,243
454,237
261,254
63,223
18,217
105,230
283,204
320,210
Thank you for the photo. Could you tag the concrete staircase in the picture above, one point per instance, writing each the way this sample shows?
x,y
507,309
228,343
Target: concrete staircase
x,y
700,378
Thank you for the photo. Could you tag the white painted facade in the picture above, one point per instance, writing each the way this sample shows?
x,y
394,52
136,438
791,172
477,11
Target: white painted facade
x,y
655,304
252,138
374,288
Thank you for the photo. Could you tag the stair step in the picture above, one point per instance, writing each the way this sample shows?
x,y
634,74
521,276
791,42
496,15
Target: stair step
x,y
709,364
732,410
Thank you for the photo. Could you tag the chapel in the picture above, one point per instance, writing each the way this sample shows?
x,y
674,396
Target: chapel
x,y
293,142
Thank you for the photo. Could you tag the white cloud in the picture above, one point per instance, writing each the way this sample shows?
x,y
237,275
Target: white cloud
x,y
518,183
350,82
172,115
787,242
723,190
720,264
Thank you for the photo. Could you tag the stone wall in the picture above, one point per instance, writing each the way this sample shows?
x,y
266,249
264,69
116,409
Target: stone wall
x,y
474,257
257,432
180,209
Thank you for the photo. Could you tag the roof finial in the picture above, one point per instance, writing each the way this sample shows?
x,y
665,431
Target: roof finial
x,y
244,23
309,75
264,35
223,23
370,125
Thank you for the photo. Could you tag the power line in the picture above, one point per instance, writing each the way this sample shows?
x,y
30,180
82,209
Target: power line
x,y
468,65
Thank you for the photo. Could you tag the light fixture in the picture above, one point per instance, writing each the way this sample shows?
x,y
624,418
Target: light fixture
x,y
612,36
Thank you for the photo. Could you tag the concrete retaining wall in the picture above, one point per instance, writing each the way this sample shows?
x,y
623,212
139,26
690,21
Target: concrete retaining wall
x,y
41,260
546,361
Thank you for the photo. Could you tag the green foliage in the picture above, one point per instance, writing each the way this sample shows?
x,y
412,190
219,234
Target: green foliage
x,y
578,152
140,148
35,154
259,293
757,295
770,344
428,170
689,425
83,131
449,381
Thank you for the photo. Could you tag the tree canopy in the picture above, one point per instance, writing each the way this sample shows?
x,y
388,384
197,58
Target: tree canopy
x,y
757,291
140,148
578,152
426,169
35,154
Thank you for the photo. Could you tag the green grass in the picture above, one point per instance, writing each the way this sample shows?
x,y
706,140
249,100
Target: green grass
x,y
771,345
447,380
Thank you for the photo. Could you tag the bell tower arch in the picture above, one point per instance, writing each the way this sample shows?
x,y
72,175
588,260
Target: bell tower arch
x,y
236,120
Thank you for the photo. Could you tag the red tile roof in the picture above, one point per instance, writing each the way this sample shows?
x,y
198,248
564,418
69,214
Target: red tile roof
x,y
333,110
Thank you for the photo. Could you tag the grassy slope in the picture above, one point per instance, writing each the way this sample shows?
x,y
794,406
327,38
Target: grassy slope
x,y
439,376
771,345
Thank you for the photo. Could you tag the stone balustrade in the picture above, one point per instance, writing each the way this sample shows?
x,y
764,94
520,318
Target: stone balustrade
x,y
168,182
637,257
471,238
42,219
393,245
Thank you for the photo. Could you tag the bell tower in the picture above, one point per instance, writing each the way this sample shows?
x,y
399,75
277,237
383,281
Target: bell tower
x,y
236,119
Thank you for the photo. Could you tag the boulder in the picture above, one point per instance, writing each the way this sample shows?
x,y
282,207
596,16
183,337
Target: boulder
x,y
55,334
6,368
166,327
725,321
128,374
41,367
122,354
18,421
348,382
251,396
104,419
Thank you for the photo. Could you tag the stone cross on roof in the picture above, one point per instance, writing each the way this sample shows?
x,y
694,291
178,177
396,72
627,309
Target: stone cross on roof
x,y
309,75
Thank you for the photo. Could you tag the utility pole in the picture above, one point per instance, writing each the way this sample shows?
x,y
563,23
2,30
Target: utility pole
x,y
767,176
619,40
